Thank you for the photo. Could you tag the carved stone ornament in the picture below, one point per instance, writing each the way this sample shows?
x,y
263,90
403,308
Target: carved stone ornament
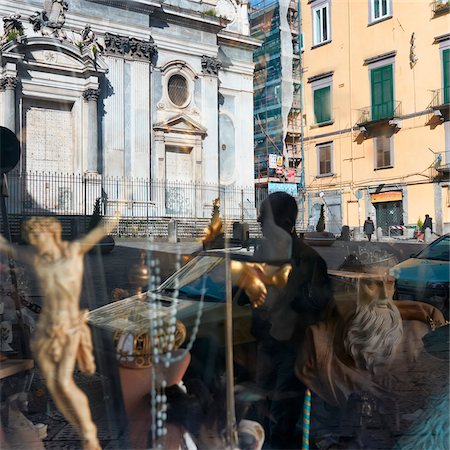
x,y
51,19
12,28
132,47
8,83
88,39
91,95
210,65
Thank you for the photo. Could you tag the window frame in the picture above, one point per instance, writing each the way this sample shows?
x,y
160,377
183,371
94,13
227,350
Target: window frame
x,y
444,47
376,65
390,136
319,147
315,86
315,7
388,15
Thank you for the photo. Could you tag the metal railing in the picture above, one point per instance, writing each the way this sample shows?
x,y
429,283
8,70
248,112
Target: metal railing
x,y
75,194
383,111
440,6
440,97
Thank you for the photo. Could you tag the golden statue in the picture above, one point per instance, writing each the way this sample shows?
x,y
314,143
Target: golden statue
x,y
215,228
62,337
254,278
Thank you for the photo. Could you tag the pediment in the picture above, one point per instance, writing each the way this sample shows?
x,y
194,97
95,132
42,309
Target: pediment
x,y
180,124
55,59
46,52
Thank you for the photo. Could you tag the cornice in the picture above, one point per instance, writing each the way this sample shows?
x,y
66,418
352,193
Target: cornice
x,y
231,39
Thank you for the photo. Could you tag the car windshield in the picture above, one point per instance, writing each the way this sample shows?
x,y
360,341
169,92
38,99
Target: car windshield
x,y
202,274
439,250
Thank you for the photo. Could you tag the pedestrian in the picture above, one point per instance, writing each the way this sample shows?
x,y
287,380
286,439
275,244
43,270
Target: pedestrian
x,y
279,326
369,228
427,223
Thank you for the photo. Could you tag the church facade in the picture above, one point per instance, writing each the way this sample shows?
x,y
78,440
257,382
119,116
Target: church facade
x,y
155,90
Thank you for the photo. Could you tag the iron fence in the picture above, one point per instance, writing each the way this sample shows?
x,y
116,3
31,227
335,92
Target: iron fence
x,y
75,194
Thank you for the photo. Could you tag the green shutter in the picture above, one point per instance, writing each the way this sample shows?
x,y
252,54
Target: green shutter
x,y
322,105
382,92
446,69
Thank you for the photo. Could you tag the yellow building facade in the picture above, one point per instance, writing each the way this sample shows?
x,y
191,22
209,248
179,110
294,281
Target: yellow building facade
x,y
376,111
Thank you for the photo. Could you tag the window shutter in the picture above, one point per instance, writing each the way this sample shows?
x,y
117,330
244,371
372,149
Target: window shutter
x,y
446,69
382,92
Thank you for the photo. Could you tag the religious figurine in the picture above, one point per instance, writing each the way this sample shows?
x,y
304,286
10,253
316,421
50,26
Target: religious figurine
x,y
365,343
62,336
254,278
215,228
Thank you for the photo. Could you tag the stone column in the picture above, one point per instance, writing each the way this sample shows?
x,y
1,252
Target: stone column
x,y
8,87
91,97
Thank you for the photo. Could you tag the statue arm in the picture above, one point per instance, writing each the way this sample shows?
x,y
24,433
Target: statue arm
x,y
11,250
98,233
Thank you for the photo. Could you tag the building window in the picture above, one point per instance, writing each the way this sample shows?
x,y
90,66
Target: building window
x,y
379,9
446,74
321,23
177,88
322,104
382,140
382,90
324,157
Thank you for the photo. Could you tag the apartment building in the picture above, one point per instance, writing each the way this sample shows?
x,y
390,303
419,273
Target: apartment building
x,y
376,84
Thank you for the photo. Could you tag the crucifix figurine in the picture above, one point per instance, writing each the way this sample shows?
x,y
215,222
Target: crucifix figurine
x,y
62,337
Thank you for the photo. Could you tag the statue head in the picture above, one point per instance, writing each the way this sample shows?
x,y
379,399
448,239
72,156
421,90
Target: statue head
x,y
42,231
375,330
281,208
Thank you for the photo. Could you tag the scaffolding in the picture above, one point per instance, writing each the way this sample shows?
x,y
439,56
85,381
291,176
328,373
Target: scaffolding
x,y
278,91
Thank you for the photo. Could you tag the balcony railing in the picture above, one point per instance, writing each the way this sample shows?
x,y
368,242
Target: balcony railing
x,y
381,112
440,6
440,97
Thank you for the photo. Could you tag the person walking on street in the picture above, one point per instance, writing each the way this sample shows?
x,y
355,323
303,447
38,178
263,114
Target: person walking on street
x,y
369,228
427,223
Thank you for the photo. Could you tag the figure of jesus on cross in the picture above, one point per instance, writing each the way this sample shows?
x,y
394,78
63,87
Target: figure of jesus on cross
x,y
62,337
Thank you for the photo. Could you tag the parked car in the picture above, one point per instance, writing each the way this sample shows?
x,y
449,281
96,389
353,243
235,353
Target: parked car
x,y
201,280
426,275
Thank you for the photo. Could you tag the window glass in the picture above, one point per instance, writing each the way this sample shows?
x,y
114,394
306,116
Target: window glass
x,y
321,32
439,251
383,151
325,154
178,90
322,104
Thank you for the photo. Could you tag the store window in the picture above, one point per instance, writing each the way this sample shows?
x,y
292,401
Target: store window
x,y
383,149
379,9
382,90
321,23
324,157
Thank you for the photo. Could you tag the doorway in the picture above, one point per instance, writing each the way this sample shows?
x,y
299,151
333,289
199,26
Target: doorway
x,y
388,214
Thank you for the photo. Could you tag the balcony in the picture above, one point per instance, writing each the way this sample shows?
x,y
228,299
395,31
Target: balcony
x,y
440,7
441,98
440,103
385,112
